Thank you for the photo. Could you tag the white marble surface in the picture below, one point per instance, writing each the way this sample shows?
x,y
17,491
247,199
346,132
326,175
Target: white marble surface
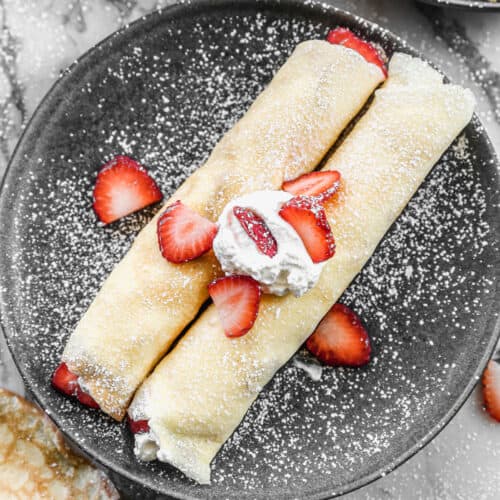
x,y
38,38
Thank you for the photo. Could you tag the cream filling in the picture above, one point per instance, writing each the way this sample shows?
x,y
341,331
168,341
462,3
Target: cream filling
x,y
290,270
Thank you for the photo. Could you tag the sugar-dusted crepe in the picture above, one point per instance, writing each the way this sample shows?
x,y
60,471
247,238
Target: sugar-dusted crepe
x,y
201,390
146,301
36,463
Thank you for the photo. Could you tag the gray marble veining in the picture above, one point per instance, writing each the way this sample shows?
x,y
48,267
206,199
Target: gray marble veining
x,y
39,38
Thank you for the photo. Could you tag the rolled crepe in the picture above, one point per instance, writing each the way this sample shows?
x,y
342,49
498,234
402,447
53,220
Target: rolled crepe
x,y
201,390
146,301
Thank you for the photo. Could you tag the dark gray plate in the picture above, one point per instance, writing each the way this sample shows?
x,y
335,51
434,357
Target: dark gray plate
x,y
163,91
480,5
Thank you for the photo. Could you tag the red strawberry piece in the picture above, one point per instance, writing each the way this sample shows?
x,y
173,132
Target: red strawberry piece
x,y
308,218
183,234
340,339
67,382
237,300
257,229
491,389
138,426
323,183
122,187
345,37
86,399
64,380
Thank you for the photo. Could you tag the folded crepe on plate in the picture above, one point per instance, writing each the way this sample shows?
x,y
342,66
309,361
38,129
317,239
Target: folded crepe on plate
x,y
201,390
146,301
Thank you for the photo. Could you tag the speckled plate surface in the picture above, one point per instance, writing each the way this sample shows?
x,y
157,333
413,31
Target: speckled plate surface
x,y
163,91
480,5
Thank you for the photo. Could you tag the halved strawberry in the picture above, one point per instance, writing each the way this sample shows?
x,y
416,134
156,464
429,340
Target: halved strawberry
x,y
345,37
122,187
237,300
323,183
308,218
67,382
340,339
257,229
138,426
491,389
64,380
183,234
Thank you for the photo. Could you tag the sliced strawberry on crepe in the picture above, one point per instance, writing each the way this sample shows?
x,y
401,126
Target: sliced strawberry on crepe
x,y
67,382
237,300
345,37
322,184
138,426
340,339
122,187
491,389
183,234
257,229
308,218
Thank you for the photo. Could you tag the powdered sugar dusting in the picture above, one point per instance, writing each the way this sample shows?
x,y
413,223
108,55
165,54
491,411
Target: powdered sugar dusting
x,y
409,275
426,292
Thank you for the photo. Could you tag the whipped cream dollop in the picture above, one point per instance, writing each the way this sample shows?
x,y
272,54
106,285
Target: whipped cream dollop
x,y
290,270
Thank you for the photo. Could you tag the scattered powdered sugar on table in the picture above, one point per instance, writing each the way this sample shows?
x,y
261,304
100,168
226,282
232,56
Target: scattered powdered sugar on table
x,y
427,286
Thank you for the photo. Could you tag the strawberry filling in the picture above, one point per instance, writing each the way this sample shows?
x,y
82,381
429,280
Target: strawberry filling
x,y
345,37
66,382
138,426
258,231
86,399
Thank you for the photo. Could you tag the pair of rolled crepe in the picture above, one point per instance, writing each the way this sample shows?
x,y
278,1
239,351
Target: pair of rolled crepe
x,y
198,394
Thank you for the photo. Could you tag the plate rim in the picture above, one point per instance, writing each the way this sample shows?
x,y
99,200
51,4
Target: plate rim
x,y
475,5
183,8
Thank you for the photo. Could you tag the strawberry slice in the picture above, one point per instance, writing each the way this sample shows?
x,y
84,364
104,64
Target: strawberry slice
x,y
138,426
183,234
237,300
491,389
308,218
340,339
122,187
324,184
345,37
66,382
257,229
